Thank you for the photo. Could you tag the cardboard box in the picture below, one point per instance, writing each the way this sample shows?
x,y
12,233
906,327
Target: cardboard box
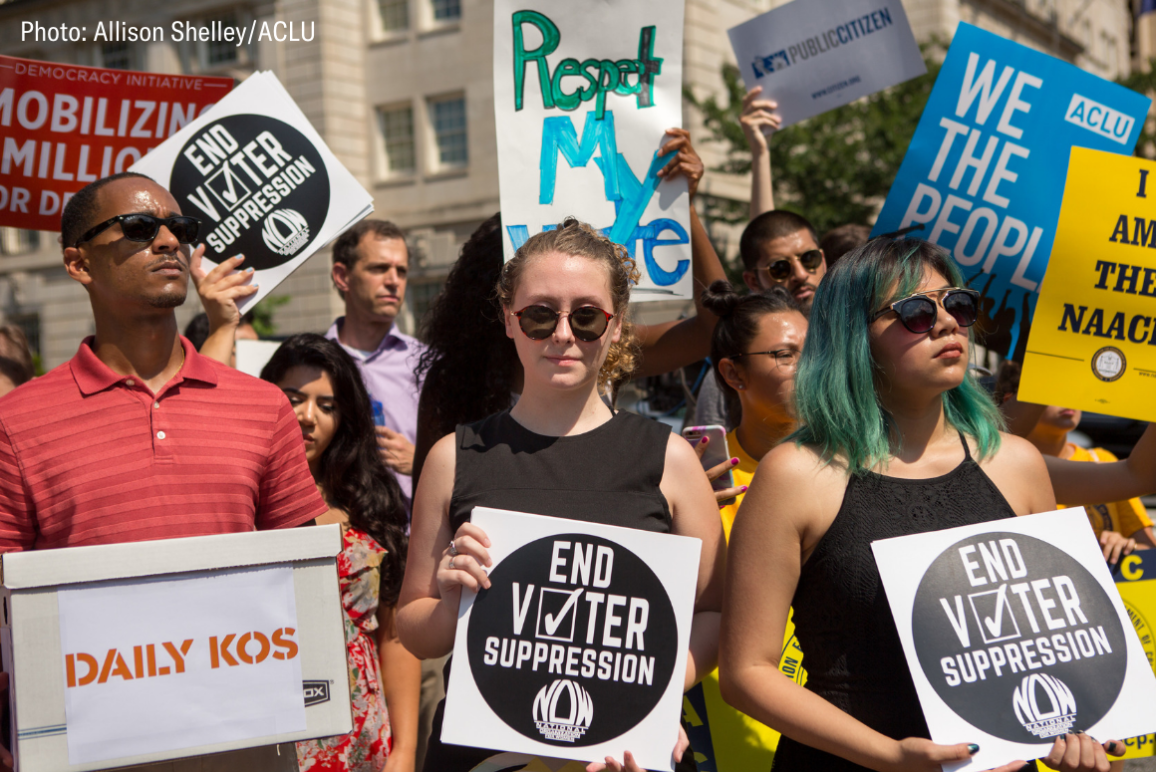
x,y
135,653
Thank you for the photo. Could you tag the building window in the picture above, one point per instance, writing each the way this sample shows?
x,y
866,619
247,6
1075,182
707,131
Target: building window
x,y
221,52
448,117
421,298
18,241
116,56
394,15
446,10
397,140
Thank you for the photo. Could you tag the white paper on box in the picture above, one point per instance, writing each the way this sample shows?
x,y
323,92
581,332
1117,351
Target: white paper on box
x,y
817,55
261,180
1015,634
166,663
587,150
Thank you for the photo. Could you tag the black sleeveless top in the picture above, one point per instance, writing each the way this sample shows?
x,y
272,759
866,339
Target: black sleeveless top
x,y
851,650
608,475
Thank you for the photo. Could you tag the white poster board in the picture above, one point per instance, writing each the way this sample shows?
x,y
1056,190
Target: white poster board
x,y
1015,633
812,56
583,93
578,649
166,663
253,355
261,180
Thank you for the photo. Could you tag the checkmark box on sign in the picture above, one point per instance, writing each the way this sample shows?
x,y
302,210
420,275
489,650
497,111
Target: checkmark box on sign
x,y
557,614
994,615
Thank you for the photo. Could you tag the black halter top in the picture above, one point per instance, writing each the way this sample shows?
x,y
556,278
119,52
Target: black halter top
x,y
851,650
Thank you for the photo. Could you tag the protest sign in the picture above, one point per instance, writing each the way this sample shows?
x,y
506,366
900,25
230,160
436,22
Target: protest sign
x,y
572,79
578,648
64,126
153,665
1136,580
1093,342
817,55
984,175
261,180
1015,634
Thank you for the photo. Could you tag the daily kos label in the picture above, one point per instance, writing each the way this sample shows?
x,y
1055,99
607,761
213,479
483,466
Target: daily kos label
x,y
160,664
577,648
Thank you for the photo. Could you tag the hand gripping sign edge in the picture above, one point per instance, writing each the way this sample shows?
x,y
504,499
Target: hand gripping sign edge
x,y
546,667
1018,638
258,185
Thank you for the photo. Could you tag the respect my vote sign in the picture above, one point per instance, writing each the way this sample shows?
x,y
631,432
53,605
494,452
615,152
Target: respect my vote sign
x,y
984,175
583,94
1015,634
578,648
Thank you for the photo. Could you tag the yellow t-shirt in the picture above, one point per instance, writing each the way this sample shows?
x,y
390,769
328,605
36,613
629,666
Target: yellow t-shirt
x,y
737,741
1125,517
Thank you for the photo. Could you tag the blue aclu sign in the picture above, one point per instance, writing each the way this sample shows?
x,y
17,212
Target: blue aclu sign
x,y
984,175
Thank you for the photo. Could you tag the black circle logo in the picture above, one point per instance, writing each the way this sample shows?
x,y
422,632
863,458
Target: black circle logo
x,y
258,185
1018,638
574,642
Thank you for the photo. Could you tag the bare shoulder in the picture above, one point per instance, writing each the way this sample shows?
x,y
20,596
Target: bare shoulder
x,y
792,464
794,484
1019,472
680,455
1016,453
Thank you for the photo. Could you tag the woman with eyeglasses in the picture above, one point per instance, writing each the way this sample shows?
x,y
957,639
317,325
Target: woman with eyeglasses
x,y
560,451
896,438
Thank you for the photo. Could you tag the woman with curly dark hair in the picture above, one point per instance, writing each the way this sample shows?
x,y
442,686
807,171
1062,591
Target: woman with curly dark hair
x,y
471,368
332,406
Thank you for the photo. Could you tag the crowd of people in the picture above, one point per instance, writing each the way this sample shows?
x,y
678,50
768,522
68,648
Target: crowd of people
x,y
841,374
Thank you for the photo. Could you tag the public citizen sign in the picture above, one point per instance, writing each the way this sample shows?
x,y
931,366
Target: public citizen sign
x,y
261,180
578,648
817,55
1015,634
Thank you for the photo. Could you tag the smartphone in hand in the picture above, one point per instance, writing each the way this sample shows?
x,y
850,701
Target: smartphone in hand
x,y
716,451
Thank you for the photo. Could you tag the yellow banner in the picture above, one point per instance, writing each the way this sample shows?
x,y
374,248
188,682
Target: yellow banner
x,y
1093,337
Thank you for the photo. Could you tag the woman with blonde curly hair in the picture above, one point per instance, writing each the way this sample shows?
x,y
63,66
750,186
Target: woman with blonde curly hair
x,y
560,451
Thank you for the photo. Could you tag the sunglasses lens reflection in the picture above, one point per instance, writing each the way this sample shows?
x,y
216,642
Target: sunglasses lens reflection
x,y
538,322
917,314
588,323
139,227
811,260
962,306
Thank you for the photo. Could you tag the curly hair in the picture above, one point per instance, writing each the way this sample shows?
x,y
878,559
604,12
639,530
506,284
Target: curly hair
x,y
351,471
572,237
470,367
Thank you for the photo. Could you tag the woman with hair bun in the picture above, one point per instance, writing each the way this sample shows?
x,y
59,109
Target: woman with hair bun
x,y
896,438
332,406
755,349
560,451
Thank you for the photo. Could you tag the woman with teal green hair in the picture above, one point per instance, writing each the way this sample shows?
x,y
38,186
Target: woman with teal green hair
x,y
896,438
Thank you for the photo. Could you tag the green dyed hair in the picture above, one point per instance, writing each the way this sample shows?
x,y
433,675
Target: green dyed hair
x,y
835,391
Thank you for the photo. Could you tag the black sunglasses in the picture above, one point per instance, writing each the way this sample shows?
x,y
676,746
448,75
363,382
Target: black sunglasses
x,y
919,312
145,227
781,270
588,323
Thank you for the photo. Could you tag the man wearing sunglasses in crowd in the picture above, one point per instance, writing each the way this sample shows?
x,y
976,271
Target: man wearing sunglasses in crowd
x,y
123,442
778,249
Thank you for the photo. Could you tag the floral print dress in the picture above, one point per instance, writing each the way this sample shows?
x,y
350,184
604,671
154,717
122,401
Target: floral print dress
x,y
366,748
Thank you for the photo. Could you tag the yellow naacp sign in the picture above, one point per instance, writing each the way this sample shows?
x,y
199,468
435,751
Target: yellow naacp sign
x,y
1093,337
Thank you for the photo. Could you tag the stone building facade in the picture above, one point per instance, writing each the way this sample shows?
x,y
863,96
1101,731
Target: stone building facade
x,y
402,91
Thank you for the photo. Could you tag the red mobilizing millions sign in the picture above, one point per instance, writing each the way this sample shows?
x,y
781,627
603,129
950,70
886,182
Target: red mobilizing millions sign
x,y
63,126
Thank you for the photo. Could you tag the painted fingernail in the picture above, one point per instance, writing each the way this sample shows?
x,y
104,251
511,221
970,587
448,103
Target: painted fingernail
x,y
1077,731
249,269
734,461
1029,767
972,749
704,440
742,489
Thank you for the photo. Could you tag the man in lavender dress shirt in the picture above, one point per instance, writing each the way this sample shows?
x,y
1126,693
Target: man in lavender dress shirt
x,y
370,263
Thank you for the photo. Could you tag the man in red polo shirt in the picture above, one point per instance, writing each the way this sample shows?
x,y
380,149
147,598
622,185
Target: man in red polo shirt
x,y
139,437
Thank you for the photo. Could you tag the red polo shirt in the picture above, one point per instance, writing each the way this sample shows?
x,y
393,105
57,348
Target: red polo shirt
x,y
91,457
